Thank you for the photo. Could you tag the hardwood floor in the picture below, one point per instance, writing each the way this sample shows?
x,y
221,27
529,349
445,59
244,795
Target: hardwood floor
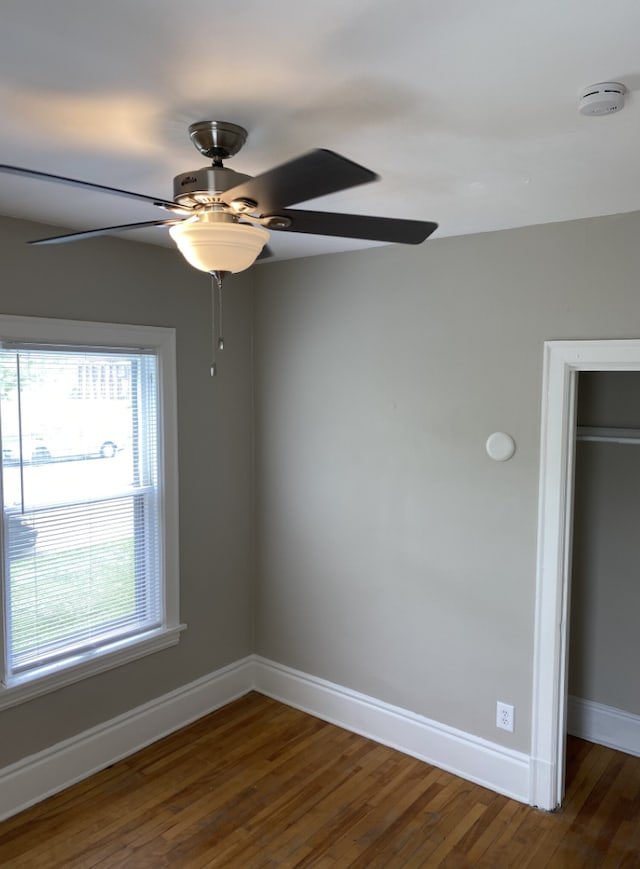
x,y
258,784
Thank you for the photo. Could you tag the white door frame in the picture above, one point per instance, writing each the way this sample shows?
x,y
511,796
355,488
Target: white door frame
x,y
562,361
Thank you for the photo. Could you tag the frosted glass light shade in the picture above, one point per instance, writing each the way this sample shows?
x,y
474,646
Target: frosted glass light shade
x,y
219,247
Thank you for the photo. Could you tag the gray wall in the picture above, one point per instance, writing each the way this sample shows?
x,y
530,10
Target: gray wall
x,y
118,281
605,585
394,556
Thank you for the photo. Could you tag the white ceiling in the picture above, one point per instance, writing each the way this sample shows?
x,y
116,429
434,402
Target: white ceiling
x,y
467,110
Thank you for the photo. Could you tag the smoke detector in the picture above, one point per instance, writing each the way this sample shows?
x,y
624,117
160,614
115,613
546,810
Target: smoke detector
x,y
604,98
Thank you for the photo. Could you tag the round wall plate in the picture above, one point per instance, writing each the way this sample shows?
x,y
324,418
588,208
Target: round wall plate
x,y
500,446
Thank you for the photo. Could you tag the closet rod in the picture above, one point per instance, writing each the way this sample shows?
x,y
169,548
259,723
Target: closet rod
x,y
608,435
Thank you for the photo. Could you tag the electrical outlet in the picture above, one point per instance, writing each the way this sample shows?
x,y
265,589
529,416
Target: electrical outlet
x,y
505,716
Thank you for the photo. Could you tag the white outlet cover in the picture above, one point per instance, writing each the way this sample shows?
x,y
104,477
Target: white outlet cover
x,y
500,446
505,714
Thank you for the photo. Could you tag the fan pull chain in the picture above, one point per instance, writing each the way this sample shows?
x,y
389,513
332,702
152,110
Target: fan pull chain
x,y
213,326
217,339
220,336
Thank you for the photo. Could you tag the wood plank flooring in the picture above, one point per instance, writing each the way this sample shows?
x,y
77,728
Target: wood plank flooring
x,y
258,784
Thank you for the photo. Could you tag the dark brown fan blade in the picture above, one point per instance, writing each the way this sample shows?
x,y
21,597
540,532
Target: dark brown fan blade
x,y
88,185
107,230
265,253
315,174
391,229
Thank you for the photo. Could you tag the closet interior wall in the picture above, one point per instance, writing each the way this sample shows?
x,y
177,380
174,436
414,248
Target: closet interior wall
x,y
605,588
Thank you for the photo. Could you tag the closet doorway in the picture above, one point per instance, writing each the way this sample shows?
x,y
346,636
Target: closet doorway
x,y
604,644
564,361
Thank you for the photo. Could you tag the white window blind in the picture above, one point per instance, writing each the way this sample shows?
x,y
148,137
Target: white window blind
x,y
81,502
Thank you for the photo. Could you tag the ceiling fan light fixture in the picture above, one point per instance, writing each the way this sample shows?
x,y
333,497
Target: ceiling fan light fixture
x,y
214,245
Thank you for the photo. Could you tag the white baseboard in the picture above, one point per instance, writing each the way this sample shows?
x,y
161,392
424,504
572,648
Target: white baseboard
x,y
543,785
43,774
467,756
605,725
40,775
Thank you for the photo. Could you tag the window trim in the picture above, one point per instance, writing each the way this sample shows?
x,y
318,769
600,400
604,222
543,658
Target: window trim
x,y
96,335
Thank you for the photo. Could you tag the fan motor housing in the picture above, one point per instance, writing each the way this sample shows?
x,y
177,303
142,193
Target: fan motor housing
x,y
203,186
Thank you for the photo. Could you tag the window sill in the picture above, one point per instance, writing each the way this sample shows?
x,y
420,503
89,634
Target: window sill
x,y
36,683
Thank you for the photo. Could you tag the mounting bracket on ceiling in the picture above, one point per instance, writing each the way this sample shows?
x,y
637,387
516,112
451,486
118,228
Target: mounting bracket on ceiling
x,y
217,139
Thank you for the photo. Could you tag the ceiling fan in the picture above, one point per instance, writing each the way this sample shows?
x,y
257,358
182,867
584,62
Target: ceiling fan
x,y
220,218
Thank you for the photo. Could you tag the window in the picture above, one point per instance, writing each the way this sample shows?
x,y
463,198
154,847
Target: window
x,y
89,518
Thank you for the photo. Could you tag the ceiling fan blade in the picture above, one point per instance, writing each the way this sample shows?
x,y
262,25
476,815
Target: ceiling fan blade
x,y
88,185
390,229
265,253
107,230
315,174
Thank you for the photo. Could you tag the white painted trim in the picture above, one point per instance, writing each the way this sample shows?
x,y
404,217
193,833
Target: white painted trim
x,y
44,680
460,753
39,776
162,339
605,725
562,359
